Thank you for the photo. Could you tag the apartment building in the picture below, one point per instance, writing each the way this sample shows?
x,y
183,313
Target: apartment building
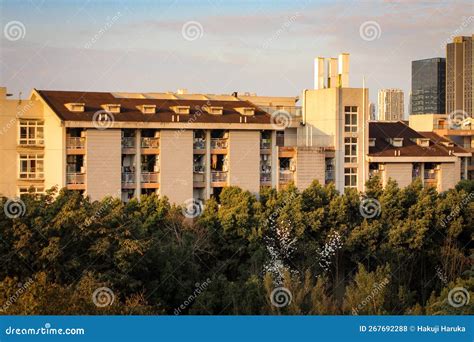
x,y
179,145
399,152
190,146
459,130
459,75
391,105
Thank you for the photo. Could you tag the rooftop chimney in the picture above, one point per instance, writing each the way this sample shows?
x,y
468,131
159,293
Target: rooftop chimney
x,y
331,72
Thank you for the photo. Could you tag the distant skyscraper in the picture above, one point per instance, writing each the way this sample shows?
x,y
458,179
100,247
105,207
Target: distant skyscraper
x,y
390,104
372,115
459,60
428,86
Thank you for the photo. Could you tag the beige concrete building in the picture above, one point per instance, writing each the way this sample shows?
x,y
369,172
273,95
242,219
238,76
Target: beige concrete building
x,y
391,105
459,75
456,129
190,146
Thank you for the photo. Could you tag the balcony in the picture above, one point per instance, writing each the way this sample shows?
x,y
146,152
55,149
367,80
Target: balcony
x,y
199,168
128,177
150,143
219,176
218,144
150,177
199,144
75,143
75,178
293,111
265,144
265,176
128,142
329,176
286,176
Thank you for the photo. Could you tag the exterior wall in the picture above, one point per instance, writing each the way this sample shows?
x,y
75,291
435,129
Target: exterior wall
x,y
103,163
244,160
55,150
448,176
424,122
400,172
11,112
310,165
176,165
391,104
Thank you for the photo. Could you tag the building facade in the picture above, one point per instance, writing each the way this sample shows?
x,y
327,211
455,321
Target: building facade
x,y
428,86
190,146
459,75
391,105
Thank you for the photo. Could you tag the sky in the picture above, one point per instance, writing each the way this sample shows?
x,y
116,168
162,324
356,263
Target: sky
x,y
215,46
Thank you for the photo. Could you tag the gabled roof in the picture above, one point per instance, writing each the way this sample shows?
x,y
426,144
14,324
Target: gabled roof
x,y
129,111
383,131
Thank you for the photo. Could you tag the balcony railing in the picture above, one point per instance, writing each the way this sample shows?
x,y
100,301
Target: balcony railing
x,y
128,177
286,176
265,176
329,175
199,144
265,144
128,142
430,175
75,143
149,177
218,144
219,176
148,142
75,178
199,168
292,111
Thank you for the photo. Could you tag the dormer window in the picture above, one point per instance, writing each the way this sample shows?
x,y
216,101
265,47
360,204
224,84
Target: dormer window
x,y
396,142
425,142
214,110
111,107
147,109
183,110
75,107
248,111
448,143
371,142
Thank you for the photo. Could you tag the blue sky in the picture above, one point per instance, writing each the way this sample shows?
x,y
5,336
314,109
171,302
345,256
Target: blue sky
x,y
265,47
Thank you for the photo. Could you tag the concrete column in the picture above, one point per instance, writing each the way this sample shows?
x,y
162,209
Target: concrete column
x,y
207,157
138,167
275,166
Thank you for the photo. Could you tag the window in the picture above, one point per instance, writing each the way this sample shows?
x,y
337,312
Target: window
x,y
350,119
350,150
350,177
31,166
30,190
31,132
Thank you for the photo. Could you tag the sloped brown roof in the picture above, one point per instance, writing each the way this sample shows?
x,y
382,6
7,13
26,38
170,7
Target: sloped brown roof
x,y
130,112
382,131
